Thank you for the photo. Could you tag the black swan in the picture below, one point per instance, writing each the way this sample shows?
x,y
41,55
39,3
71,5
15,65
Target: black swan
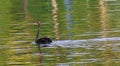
x,y
41,42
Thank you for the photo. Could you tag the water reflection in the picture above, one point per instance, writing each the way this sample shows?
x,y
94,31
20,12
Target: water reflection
x,y
69,18
86,21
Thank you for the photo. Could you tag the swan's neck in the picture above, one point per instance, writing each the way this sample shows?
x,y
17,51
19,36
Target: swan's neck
x,y
38,31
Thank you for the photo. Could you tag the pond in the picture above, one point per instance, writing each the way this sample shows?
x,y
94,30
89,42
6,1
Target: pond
x,y
84,32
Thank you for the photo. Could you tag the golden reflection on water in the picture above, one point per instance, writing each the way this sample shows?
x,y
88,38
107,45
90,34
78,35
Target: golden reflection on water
x,y
104,17
55,19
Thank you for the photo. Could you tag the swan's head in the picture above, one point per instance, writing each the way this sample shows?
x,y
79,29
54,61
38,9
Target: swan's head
x,y
37,22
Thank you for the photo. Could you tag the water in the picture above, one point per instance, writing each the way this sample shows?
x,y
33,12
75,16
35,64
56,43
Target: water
x,y
85,32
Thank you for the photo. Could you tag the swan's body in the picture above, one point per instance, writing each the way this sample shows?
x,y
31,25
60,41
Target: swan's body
x,y
43,41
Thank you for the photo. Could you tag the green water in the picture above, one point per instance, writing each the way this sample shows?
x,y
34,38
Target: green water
x,y
77,19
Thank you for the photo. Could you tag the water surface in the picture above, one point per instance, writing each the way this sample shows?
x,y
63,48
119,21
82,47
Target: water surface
x,y
89,22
